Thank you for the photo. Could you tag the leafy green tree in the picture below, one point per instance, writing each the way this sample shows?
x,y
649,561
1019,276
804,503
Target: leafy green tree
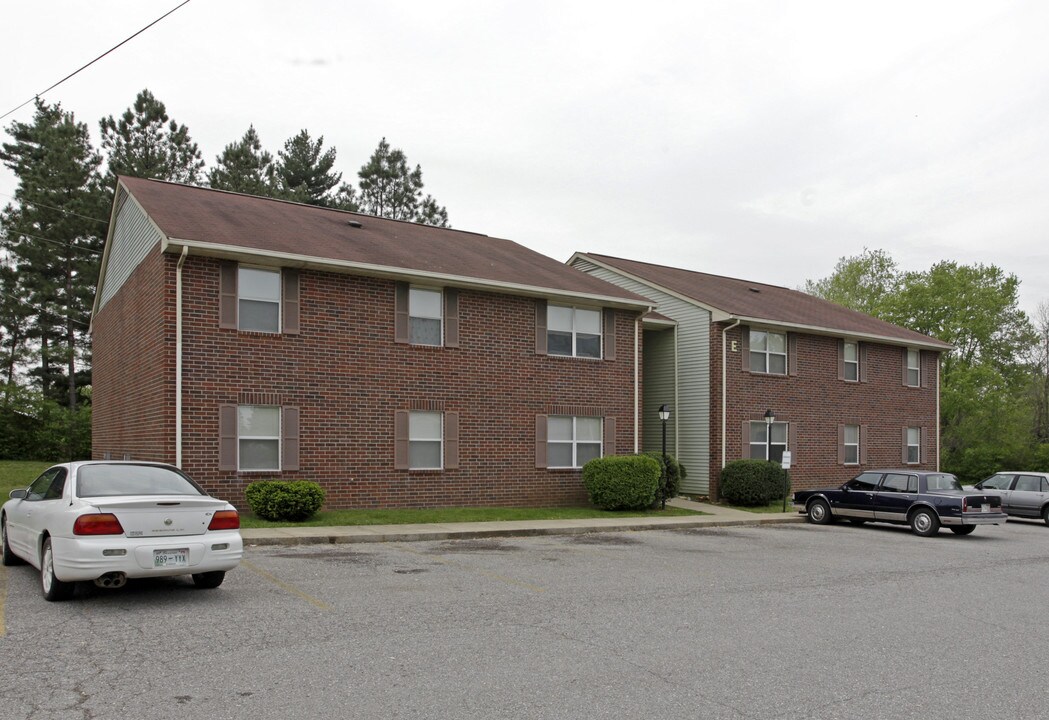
x,y
245,167
146,143
862,283
1040,380
52,237
15,318
304,171
388,188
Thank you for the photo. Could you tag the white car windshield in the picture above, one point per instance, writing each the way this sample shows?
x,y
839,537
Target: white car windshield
x,y
112,480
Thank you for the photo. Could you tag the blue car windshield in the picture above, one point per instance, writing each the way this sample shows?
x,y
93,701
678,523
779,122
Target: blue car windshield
x,y
113,480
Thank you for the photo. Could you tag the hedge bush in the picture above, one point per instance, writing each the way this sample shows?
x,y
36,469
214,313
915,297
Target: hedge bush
x,y
753,482
622,482
675,473
284,501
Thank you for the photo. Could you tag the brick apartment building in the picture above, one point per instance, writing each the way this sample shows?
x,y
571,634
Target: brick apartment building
x,y
846,391
399,365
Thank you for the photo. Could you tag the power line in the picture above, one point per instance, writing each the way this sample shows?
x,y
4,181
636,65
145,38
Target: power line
x,y
52,207
147,27
56,242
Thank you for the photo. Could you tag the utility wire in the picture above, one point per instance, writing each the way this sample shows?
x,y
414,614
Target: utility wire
x,y
70,246
52,207
45,311
147,27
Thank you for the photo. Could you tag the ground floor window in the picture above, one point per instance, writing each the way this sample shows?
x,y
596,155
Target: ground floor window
x,y
425,440
767,442
572,441
851,443
258,437
913,439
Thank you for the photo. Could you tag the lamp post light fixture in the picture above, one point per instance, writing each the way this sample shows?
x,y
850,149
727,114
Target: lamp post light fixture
x,y
770,418
664,415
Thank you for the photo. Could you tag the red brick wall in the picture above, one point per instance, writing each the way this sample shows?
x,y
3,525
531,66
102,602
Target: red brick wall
x,y
815,402
347,376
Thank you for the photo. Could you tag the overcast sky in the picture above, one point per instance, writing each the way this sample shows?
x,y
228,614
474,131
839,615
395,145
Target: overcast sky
x,y
754,139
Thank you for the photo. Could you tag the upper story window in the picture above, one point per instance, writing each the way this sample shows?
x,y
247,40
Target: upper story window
x,y
852,361
258,299
572,441
258,437
574,332
913,373
425,316
768,352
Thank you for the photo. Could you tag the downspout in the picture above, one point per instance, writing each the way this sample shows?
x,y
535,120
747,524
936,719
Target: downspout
x,y
724,387
178,356
637,386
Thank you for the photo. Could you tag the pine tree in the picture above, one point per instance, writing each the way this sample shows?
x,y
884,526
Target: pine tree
x,y
145,143
388,188
245,167
304,171
52,238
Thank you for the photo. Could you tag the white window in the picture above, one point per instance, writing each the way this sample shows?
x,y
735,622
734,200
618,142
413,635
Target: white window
x,y
852,444
258,437
575,332
425,440
768,352
914,374
852,361
572,441
424,311
914,441
258,299
760,446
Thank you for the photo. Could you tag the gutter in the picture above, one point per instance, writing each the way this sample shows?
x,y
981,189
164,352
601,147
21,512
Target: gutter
x,y
724,387
178,356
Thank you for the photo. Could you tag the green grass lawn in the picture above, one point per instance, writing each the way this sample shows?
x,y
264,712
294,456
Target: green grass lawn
x,y
776,506
20,473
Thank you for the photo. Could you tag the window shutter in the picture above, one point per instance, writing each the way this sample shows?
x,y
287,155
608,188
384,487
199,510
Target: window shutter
x,y
904,456
228,295
863,444
863,361
289,440
451,317
400,313
924,440
793,430
609,437
540,334
400,440
905,366
227,437
841,444
610,333
792,353
745,451
841,361
540,441
744,344
925,376
290,304
451,441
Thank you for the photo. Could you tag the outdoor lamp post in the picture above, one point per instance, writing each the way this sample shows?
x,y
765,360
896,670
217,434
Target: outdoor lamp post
x,y
769,419
664,415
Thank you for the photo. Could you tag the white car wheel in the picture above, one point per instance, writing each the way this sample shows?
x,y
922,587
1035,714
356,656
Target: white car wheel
x,y
54,589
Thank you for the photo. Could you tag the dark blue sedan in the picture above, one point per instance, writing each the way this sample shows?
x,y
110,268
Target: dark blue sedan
x,y
924,500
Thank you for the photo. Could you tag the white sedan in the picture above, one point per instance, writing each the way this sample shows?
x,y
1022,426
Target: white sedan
x,y
109,521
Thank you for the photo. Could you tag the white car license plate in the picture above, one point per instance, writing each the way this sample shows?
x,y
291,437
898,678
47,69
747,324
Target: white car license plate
x,y
171,558
985,508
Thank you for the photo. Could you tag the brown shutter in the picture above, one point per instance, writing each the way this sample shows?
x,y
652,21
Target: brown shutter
x,y
904,455
923,439
540,441
451,317
745,450
227,437
400,440
744,345
451,441
841,360
863,444
400,314
925,376
792,353
290,309
289,430
905,366
841,444
540,335
610,333
793,429
228,295
609,437
863,348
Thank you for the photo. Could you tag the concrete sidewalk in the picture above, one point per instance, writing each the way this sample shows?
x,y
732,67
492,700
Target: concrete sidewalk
x,y
716,517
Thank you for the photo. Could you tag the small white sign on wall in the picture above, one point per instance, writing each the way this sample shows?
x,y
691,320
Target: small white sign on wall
x,y
785,462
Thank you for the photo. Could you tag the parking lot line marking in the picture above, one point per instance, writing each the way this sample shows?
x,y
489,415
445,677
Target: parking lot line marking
x,y
3,599
460,566
285,586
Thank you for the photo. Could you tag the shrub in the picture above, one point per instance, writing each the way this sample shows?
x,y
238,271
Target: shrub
x,y
284,501
622,482
753,482
675,473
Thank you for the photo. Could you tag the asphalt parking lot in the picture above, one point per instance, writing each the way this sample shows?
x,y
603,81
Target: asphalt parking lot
x,y
787,621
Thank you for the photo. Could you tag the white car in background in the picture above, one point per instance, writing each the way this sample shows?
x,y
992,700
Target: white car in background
x,y
108,521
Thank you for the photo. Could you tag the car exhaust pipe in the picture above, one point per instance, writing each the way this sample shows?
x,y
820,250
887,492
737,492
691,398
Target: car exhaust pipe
x,y
112,580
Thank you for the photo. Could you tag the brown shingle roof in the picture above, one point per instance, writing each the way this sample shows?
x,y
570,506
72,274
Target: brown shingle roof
x,y
264,226
748,300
